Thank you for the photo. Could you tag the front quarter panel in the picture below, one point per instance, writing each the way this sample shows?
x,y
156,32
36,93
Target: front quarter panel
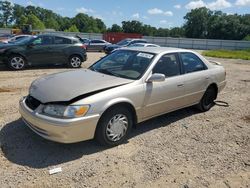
x,y
132,93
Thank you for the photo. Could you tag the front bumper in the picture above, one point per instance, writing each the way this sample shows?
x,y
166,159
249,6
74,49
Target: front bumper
x,y
59,130
221,86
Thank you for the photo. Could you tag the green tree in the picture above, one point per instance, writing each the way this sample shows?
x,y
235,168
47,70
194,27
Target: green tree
x,y
177,32
101,26
51,23
73,28
35,22
132,26
7,12
148,30
115,28
23,20
18,13
197,23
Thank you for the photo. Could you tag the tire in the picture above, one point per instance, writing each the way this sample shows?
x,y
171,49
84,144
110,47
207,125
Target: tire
x,y
207,101
114,127
75,61
16,62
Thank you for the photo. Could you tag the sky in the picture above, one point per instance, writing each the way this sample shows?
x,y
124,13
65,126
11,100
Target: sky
x,y
157,13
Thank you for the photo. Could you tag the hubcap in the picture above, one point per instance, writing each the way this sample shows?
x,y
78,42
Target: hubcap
x,y
117,127
75,62
17,62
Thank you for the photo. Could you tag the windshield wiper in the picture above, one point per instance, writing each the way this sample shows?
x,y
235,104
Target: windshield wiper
x,y
105,71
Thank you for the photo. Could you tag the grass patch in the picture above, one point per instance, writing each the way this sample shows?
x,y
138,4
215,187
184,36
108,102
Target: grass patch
x,y
231,54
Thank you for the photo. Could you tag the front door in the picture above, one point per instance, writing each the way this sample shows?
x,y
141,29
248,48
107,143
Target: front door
x,y
162,97
40,51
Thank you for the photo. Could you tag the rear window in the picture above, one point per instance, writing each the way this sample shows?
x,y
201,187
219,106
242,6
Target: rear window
x,y
61,40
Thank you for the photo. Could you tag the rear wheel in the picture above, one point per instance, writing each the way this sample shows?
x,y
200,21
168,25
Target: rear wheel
x,y
16,62
114,126
75,61
207,100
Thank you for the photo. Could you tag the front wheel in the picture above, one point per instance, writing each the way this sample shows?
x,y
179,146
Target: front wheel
x,y
16,62
113,127
75,61
207,100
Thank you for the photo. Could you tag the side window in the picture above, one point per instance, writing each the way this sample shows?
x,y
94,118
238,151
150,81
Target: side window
x,y
97,41
168,65
192,63
43,40
61,40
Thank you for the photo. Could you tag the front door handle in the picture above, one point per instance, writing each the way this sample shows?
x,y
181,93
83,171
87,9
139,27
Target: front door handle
x,y
180,85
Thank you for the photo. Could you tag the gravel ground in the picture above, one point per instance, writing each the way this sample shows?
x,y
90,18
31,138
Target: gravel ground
x,y
181,149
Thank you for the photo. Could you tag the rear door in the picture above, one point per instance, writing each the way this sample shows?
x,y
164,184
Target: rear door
x,y
196,77
162,97
40,50
60,47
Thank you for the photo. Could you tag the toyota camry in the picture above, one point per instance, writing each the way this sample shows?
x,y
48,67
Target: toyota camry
x,y
120,90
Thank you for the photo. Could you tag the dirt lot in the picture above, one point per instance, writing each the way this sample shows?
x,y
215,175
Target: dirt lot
x,y
182,149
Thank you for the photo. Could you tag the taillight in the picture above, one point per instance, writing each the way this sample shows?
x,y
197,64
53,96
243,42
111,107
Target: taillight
x,y
83,46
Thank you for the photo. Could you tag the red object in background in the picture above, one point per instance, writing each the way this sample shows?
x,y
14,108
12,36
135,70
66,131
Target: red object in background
x,y
116,37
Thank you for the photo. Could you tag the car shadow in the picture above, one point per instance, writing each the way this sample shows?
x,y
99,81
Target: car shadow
x,y
23,147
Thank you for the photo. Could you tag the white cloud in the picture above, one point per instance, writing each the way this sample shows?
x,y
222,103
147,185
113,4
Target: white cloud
x,y
155,11
99,16
168,13
163,22
60,8
242,3
136,16
219,4
215,5
115,13
195,4
177,6
30,3
84,10
145,17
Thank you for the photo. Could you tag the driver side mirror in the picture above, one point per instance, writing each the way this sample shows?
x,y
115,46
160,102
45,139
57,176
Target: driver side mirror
x,y
156,77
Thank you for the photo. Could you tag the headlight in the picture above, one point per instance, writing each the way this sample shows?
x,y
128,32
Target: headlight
x,y
71,111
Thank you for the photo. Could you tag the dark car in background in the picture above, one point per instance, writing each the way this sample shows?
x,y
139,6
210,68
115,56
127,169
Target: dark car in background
x,y
43,50
97,45
123,43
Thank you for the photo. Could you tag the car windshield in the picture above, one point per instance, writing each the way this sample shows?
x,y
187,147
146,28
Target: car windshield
x,y
124,63
123,42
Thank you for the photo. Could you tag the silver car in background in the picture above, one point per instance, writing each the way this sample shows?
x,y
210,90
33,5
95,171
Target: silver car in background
x,y
120,90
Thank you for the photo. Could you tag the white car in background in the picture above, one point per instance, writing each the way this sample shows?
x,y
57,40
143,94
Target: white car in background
x,y
144,45
15,38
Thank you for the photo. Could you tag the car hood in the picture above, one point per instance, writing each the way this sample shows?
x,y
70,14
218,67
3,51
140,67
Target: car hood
x,y
63,87
7,45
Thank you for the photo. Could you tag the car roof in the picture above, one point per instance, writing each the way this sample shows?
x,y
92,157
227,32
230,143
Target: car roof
x,y
156,50
132,39
146,44
54,35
